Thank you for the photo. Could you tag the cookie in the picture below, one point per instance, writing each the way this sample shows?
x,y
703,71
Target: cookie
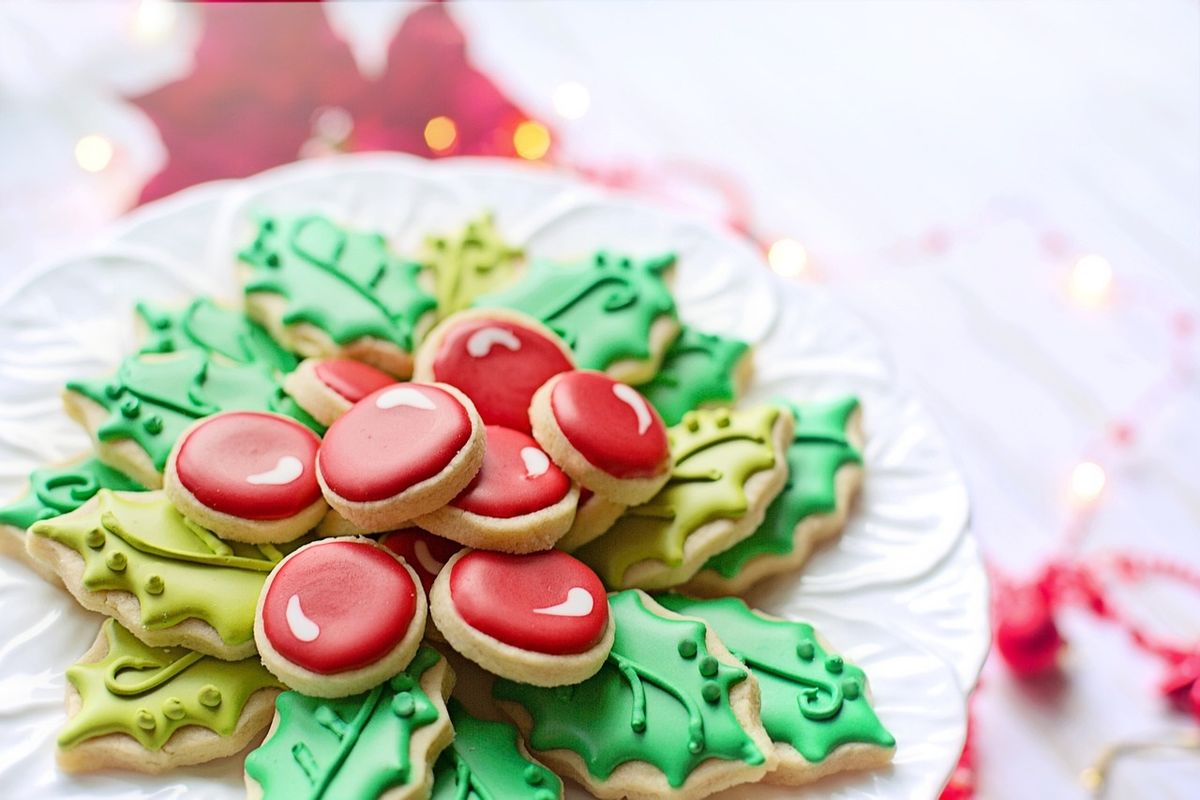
x,y
401,452
603,434
151,709
498,358
133,557
541,618
615,313
816,706
670,714
518,502
206,325
426,553
824,475
247,477
137,414
339,616
470,262
699,370
323,290
728,466
593,516
327,387
379,744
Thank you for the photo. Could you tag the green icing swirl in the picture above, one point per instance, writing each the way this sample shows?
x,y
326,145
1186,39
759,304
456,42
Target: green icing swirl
x,y
474,261
485,763
811,699
660,698
352,747
205,325
698,369
59,490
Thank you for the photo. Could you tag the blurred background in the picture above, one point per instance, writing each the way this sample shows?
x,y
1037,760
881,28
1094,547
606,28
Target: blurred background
x,y
1008,192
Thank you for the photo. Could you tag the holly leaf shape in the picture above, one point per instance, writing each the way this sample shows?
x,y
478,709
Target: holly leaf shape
x,y
61,489
698,369
603,308
350,747
714,452
346,283
660,698
138,543
151,692
208,326
812,699
474,261
486,763
819,448
152,398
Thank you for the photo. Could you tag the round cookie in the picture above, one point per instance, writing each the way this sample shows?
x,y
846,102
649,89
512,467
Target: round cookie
x,y
519,502
247,476
497,358
400,452
327,387
541,619
426,553
593,516
339,616
603,434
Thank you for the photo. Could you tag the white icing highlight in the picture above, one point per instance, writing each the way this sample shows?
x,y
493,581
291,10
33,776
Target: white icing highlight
x,y
579,603
404,396
286,470
630,397
481,341
536,462
426,559
300,625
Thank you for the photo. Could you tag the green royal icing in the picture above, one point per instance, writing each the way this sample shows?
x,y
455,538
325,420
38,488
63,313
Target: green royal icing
x,y
714,452
205,325
811,699
347,283
350,747
151,692
660,698
470,263
818,450
152,399
603,308
58,490
696,370
139,543
484,763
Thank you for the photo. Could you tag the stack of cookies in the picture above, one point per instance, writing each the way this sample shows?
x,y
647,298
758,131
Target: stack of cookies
x,y
303,513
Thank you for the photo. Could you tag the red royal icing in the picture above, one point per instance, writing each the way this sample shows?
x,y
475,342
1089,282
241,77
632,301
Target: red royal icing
x,y
249,465
392,439
338,606
517,478
546,602
351,379
423,551
499,365
610,424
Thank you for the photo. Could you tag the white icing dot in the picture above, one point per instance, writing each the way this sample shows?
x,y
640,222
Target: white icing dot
x,y
404,396
300,625
536,462
630,397
286,470
579,603
426,559
481,341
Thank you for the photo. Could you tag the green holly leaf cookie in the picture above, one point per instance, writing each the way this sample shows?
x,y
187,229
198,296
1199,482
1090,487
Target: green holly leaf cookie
x,y
474,261
813,701
205,325
61,489
149,693
607,308
485,762
715,452
699,369
357,747
664,697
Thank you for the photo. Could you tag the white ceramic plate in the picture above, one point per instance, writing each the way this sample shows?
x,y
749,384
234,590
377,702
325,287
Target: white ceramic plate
x,y
902,591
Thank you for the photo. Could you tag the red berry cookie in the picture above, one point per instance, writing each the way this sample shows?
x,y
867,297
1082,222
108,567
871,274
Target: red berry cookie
x,y
400,452
421,550
519,502
247,476
603,434
327,387
339,616
540,618
497,358
593,516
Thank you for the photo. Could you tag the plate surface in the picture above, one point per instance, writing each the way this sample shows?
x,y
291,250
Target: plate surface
x,y
902,592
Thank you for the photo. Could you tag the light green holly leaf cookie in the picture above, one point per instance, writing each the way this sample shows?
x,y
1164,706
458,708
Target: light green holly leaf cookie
x,y
699,369
488,762
469,263
205,325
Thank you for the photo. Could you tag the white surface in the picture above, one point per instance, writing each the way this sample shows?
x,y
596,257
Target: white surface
x,y
907,541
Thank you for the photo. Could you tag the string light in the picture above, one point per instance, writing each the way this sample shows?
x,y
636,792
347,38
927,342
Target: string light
x,y
1087,483
572,100
531,140
788,258
93,152
153,20
440,134
1091,280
